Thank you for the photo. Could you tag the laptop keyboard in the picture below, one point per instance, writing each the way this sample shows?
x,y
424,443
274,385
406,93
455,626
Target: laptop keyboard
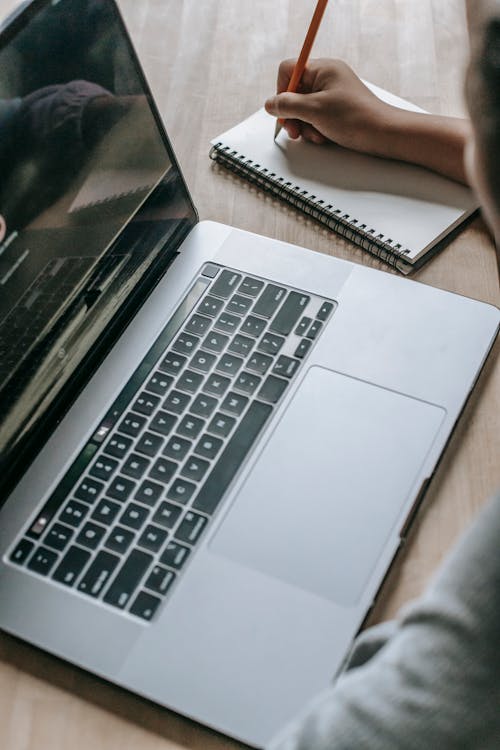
x,y
122,524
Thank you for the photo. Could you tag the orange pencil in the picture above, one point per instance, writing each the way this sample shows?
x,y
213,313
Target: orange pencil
x,y
304,53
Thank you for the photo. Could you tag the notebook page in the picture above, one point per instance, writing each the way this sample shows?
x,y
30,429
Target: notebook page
x,y
408,204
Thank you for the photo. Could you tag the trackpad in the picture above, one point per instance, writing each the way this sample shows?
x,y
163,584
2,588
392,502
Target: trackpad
x,y
329,485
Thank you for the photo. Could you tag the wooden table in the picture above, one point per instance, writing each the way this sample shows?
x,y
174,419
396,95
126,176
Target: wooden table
x,y
211,63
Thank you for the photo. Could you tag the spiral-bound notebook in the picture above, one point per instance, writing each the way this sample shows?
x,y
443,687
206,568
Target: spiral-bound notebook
x,y
399,212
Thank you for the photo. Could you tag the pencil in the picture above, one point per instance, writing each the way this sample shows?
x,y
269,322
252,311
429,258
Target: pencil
x,y
304,54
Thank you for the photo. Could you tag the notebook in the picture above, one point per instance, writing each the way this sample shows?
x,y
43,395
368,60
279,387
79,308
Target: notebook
x,y
399,212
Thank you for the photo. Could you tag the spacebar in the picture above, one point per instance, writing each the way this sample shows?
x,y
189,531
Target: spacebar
x,y
231,458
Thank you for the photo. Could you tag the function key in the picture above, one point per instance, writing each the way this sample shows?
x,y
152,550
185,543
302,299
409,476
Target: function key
x,y
286,319
74,513
239,305
251,286
91,535
173,363
210,270
253,326
181,491
303,325
270,343
217,385
303,348
132,424
269,301
98,573
227,322
234,403
226,284
174,555
71,566
145,605
314,329
159,383
198,324
286,366
210,306
146,403
22,551
58,537
160,579
325,310
272,389
191,528
128,578
120,488
90,489
42,561
175,402
186,343
221,425
202,361
118,446
119,539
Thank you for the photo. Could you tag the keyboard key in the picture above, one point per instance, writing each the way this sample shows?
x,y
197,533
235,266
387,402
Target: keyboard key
x,y
270,343
208,446
269,301
217,385
120,488
145,605
202,361
146,403
190,381
198,325
90,536
226,284
231,458
134,516
173,363
119,539
215,341
203,406
247,382
181,491
191,528
163,470
272,389
103,468
89,490
195,468
163,422
128,578
239,305
303,325
303,348
22,551
71,566
174,555
149,444
191,427
159,383
289,314
73,513
160,579
210,306
176,402
106,512
210,270
259,363
167,515
314,329
149,492
241,345
152,538
118,446
251,286
234,403
177,448
98,574
253,326
221,425
227,322
132,424
135,466
58,537
229,364
325,311
186,343
286,366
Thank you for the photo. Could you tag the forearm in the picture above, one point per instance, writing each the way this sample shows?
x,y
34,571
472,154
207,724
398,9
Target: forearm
x,y
432,141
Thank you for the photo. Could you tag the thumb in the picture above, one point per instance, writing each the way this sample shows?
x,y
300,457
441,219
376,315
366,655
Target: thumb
x,y
290,105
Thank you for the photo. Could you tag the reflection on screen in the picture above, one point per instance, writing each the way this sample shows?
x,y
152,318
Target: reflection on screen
x,y
89,196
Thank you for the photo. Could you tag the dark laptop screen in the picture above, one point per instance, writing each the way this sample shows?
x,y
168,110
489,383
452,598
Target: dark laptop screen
x,y
92,203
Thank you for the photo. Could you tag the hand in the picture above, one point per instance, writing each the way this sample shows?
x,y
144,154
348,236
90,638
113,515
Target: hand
x,y
331,104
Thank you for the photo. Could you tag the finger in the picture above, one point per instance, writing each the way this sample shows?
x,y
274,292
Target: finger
x,y
293,106
309,133
293,128
284,74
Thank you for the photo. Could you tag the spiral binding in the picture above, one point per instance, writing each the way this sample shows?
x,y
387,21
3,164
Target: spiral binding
x,y
333,218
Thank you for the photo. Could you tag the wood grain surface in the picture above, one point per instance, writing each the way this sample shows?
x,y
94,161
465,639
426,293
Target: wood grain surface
x,y
211,63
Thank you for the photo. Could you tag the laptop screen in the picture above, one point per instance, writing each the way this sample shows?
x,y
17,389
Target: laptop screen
x,y
92,203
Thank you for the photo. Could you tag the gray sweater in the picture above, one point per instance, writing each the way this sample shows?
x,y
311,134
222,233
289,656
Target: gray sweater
x,y
431,679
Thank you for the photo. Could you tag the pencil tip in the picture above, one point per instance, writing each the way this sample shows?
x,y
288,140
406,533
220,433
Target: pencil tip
x,y
277,129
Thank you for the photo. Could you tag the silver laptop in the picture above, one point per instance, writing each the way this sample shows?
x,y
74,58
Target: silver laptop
x,y
211,443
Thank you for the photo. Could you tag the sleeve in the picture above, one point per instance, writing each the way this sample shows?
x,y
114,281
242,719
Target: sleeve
x,y
431,680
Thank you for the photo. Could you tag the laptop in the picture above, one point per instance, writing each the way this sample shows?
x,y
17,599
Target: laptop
x,y
212,443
